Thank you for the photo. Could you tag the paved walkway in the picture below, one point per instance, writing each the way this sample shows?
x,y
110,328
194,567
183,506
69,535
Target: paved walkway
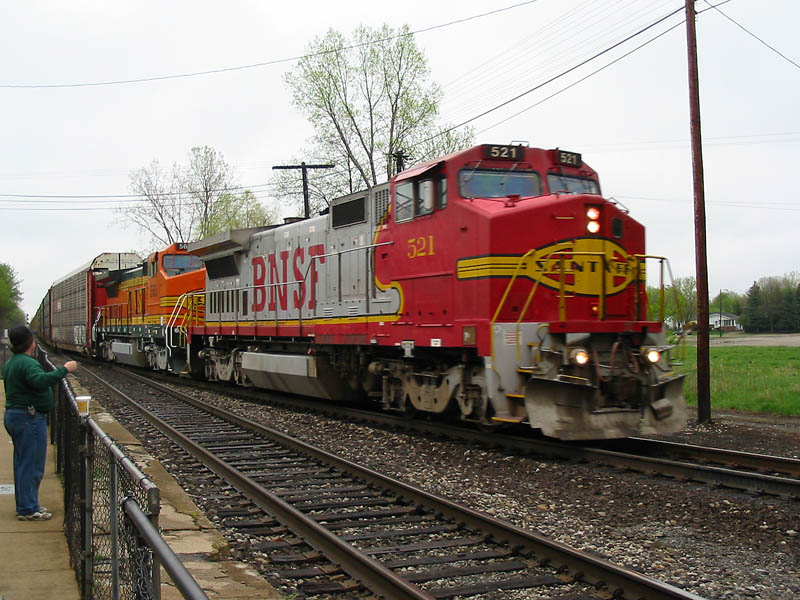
x,y
34,564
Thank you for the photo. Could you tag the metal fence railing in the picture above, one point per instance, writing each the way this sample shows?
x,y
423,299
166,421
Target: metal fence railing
x,y
113,554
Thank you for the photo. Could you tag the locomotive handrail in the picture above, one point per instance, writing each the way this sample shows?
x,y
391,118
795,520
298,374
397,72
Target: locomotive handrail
x,y
562,254
264,286
173,318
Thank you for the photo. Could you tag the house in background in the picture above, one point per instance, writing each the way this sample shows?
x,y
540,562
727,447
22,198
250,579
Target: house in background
x,y
724,321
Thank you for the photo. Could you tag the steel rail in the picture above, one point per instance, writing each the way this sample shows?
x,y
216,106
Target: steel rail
x,y
623,583
367,570
621,454
764,463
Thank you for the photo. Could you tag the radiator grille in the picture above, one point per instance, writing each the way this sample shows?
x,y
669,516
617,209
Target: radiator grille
x,y
381,204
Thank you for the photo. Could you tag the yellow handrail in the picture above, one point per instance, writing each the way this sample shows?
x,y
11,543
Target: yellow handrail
x,y
562,255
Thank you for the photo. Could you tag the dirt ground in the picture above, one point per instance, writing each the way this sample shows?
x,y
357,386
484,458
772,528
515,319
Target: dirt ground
x,y
751,339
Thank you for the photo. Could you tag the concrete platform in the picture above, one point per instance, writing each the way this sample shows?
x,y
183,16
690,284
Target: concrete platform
x,y
35,563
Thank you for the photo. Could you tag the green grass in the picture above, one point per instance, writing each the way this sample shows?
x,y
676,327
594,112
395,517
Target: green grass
x,y
755,379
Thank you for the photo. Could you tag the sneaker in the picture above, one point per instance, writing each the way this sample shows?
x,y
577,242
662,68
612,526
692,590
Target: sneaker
x,y
39,515
41,509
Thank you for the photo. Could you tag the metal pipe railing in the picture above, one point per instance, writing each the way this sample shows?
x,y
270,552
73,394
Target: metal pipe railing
x,y
183,580
107,553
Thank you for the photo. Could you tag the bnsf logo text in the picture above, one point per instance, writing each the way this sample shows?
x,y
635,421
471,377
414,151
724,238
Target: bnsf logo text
x,y
304,271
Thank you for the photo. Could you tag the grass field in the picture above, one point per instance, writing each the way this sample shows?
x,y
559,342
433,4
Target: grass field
x,y
756,379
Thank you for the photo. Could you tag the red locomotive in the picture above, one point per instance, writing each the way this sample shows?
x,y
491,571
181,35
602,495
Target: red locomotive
x,y
495,285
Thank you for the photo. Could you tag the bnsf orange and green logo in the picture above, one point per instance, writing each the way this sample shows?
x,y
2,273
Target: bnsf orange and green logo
x,y
586,266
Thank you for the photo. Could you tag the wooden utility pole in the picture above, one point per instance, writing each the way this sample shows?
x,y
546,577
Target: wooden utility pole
x,y
701,258
304,167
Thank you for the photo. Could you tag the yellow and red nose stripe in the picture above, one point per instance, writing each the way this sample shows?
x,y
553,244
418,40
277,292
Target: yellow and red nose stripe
x,y
581,263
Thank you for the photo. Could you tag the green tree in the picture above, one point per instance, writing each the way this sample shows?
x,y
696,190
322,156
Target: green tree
x,y
10,297
680,301
753,319
368,97
788,319
191,201
728,302
773,297
235,211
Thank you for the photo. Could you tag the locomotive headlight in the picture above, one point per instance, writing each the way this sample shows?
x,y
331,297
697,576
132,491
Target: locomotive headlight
x,y
653,355
579,356
592,219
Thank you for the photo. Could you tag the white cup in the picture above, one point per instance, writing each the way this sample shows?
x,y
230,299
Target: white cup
x,y
83,405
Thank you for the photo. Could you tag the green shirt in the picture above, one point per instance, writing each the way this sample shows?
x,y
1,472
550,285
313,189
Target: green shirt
x,y
28,384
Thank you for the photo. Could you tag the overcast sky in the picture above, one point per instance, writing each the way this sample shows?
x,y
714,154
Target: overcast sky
x,y
630,121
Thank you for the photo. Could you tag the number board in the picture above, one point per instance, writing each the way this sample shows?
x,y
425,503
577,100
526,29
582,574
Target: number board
x,y
568,159
495,152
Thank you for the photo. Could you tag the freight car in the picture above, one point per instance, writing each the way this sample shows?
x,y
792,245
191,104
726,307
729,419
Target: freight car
x,y
64,316
495,285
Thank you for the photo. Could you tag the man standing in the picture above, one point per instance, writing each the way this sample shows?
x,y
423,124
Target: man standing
x,y
29,398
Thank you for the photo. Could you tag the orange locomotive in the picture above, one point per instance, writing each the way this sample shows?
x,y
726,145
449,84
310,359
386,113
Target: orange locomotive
x,y
134,327
120,308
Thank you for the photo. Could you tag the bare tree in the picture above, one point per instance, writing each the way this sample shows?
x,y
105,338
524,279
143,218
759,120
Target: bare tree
x,y
192,201
163,210
367,97
206,180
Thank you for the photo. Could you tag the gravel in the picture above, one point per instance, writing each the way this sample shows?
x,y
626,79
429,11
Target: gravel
x,y
716,543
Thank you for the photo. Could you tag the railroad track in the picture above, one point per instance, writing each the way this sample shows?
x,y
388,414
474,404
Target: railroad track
x,y
744,471
338,528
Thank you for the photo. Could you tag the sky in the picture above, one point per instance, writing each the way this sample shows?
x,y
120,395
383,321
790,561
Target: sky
x,y
630,120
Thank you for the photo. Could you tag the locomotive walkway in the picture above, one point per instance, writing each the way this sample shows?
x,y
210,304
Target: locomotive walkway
x,y
35,563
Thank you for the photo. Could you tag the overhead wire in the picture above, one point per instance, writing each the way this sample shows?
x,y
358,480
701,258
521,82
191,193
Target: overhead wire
x,y
550,80
454,127
596,71
750,33
268,62
549,55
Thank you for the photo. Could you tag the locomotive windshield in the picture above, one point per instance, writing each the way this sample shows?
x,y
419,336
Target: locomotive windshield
x,y
571,185
175,264
475,183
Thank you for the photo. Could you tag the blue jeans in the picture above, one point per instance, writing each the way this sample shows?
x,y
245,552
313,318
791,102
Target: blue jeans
x,y
29,434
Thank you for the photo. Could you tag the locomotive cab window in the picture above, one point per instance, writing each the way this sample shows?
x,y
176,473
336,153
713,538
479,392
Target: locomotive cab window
x,y
404,202
569,184
423,203
176,264
418,198
486,183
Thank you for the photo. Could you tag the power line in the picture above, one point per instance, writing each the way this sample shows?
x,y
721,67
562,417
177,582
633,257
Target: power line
x,y
551,79
144,196
268,62
603,68
743,28
726,203
582,79
548,54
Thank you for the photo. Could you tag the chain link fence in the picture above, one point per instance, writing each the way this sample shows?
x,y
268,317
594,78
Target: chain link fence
x,y
112,553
